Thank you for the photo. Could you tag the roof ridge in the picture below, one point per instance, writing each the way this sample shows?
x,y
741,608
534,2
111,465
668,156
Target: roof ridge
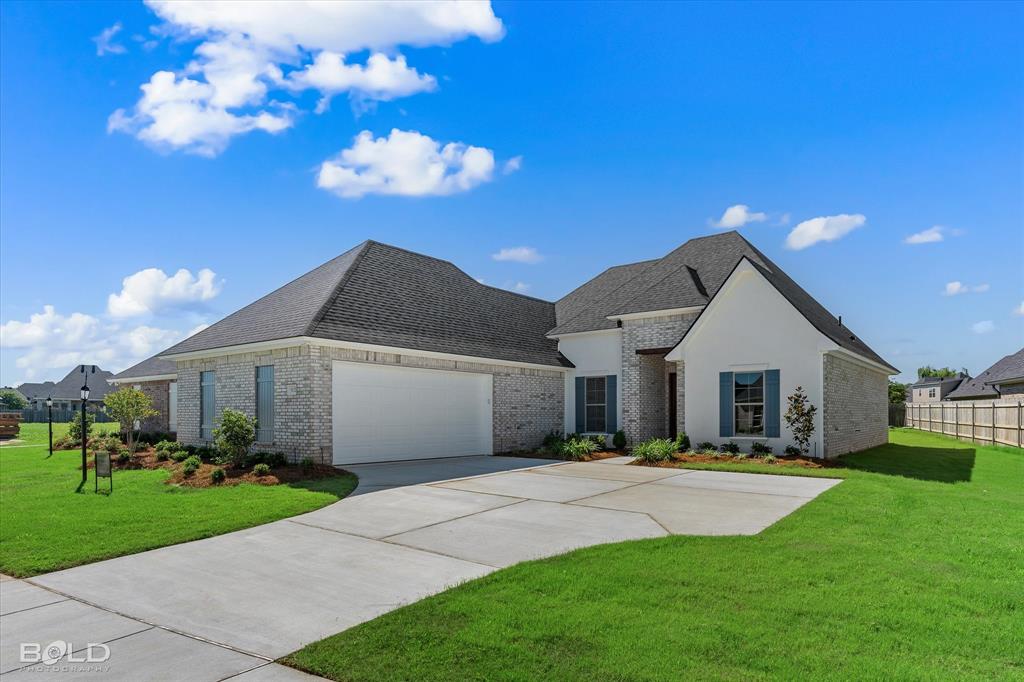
x,y
363,248
460,270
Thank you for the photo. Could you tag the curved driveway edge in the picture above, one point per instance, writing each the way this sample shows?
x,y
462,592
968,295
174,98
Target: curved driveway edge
x,y
267,591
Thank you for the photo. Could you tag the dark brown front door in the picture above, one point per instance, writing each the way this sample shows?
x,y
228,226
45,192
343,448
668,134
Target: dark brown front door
x,y
672,405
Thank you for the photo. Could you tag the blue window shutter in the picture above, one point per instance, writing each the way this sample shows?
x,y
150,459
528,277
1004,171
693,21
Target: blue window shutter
x,y
771,403
725,404
611,404
581,404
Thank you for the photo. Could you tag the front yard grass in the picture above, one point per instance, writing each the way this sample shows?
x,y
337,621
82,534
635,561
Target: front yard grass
x,y
913,568
46,523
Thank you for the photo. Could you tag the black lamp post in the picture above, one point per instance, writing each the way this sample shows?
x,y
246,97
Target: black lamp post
x,y
49,419
85,433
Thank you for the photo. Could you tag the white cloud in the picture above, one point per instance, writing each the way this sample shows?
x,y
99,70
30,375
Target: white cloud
x,y
52,341
105,41
518,287
931,235
1019,310
738,216
406,163
512,165
784,219
822,229
983,327
150,290
222,92
957,287
518,254
176,113
381,79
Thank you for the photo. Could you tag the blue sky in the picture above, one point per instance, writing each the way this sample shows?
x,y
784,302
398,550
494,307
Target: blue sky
x,y
594,134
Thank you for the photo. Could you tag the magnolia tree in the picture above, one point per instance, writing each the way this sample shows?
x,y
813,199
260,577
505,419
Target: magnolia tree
x,y
800,418
129,405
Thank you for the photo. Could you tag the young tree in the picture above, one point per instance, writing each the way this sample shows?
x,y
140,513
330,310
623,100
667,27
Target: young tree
x,y
937,372
234,437
897,393
12,400
128,405
800,418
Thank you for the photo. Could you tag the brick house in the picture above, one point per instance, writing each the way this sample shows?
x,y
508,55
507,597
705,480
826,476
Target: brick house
x,y
157,378
384,354
1004,379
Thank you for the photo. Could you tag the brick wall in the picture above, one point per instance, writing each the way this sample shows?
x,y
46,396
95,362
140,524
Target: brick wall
x,y
159,393
528,403
645,377
855,406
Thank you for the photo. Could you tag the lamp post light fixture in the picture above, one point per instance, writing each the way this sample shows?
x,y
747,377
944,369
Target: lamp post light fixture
x,y
49,419
85,432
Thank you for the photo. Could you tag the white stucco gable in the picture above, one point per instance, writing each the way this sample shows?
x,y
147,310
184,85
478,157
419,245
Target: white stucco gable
x,y
749,327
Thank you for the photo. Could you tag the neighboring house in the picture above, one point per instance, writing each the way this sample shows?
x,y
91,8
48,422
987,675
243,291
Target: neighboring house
x,y
933,389
383,354
157,378
1005,379
67,393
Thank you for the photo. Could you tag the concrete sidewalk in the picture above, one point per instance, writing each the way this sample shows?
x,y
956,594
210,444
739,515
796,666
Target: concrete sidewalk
x,y
242,599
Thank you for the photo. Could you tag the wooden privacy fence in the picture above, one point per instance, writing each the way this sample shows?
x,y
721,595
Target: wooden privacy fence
x,y
980,421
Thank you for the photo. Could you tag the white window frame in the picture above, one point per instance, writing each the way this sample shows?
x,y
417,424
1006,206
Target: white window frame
x,y
750,403
587,404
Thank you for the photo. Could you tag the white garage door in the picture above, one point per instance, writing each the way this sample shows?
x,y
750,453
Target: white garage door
x,y
383,413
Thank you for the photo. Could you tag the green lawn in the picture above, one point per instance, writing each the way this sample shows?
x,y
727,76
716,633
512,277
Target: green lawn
x,y
46,523
913,568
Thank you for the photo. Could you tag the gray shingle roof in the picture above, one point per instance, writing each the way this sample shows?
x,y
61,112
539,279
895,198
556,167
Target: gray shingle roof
x,y
69,388
150,367
384,295
1008,367
690,275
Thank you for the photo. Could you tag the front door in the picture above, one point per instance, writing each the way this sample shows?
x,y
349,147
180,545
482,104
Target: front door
x,y
672,405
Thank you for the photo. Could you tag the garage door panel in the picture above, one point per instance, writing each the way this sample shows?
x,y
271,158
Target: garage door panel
x,y
385,413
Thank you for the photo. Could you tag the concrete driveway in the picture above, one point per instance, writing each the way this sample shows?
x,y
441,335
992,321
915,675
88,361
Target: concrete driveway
x,y
226,605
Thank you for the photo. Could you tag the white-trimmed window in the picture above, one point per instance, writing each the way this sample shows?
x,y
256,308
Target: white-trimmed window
x,y
596,404
748,403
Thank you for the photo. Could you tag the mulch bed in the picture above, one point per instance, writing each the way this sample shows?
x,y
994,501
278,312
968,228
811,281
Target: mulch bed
x,y
200,478
780,461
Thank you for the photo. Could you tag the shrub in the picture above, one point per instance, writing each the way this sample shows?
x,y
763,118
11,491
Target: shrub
x,y
155,437
711,452
235,435
165,446
793,451
619,440
12,400
124,455
261,469
741,455
730,447
600,441
161,455
306,463
179,455
705,446
578,447
217,476
760,449
190,465
75,426
202,452
654,450
769,459
553,440
682,443
271,459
